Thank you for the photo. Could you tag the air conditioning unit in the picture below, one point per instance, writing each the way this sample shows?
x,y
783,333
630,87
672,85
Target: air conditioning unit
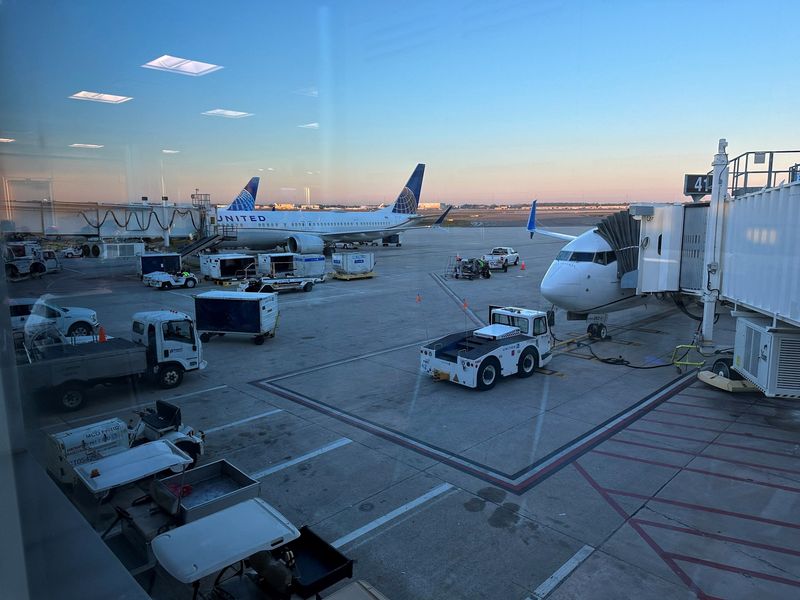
x,y
768,356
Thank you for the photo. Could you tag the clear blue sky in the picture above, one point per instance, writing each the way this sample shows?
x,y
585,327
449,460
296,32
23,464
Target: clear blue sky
x,y
505,100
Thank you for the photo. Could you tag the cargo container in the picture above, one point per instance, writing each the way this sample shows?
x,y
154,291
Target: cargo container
x,y
227,266
287,264
236,313
353,263
165,262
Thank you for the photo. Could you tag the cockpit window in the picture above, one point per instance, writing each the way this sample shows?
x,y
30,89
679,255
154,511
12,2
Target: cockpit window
x,y
582,257
563,255
605,258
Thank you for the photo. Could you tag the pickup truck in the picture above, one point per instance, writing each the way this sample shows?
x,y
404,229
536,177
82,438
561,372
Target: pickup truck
x,y
516,342
163,346
501,256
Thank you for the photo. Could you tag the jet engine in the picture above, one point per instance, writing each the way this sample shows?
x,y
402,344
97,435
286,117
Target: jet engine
x,y
302,243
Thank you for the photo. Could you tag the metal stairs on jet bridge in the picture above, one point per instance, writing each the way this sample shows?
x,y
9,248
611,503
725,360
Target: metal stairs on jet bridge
x,y
208,242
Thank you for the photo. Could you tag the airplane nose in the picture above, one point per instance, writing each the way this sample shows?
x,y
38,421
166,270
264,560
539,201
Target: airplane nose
x,y
556,290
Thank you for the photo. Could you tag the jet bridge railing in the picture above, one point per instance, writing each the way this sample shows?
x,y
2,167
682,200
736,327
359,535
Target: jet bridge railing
x,y
754,171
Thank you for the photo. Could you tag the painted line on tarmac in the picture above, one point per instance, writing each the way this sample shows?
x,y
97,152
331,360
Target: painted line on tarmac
x,y
343,361
211,389
552,582
460,301
295,461
520,481
390,516
243,421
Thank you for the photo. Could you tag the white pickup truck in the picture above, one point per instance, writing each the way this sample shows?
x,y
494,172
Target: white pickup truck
x,y
516,342
501,257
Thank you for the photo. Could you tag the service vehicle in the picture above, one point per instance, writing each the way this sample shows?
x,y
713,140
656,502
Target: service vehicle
x,y
286,271
51,261
268,285
501,257
164,262
67,449
516,342
353,265
166,281
71,252
22,260
471,268
221,267
162,347
69,320
236,313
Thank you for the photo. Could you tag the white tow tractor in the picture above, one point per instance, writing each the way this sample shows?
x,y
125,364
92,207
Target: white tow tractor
x,y
166,281
516,342
69,449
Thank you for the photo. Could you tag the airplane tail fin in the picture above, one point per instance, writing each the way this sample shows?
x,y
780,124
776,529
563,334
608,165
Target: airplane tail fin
x,y
246,200
408,200
532,219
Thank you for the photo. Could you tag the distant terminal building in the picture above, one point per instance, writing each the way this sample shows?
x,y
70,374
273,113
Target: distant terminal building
x,y
431,205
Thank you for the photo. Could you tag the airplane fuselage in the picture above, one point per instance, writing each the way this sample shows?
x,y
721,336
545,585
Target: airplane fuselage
x,y
583,278
267,228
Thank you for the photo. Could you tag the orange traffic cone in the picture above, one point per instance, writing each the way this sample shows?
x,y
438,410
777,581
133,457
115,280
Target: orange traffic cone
x,y
101,334
419,298
522,266
465,304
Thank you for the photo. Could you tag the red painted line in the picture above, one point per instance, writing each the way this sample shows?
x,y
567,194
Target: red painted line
x,y
681,414
680,573
656,463
672,412
702,508
716,536
723,431
714,443
766,468
719,409
737,570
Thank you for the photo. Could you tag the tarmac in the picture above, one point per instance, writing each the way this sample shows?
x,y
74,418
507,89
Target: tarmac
x,y
587,480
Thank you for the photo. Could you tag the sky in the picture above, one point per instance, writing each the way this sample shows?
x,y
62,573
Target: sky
x,y
504,101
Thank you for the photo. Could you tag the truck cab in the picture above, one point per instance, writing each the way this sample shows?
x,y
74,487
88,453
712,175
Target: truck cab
x,y
173,346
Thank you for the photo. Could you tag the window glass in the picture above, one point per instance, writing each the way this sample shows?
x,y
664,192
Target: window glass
x,y
20,310
539,326
563,255
582,257
178,331
44,310
138,327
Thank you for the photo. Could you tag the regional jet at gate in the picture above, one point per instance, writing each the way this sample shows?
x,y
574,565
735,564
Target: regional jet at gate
x,y
585,278
308,232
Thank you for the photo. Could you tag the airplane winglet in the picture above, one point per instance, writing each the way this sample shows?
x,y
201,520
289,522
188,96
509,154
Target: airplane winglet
x,y
532,219
441,218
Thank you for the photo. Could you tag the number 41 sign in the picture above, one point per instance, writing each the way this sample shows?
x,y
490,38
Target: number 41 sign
x,y
697,185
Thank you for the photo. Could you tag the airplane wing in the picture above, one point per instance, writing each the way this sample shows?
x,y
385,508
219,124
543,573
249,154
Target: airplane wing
x,y
554,234
369,234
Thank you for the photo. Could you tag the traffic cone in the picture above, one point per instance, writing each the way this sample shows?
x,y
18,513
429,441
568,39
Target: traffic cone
x,y
465,304
419,298
101,334
522,266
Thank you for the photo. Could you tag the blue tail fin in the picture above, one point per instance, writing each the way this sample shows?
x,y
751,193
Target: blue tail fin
x,y
532,219
408,200
246,200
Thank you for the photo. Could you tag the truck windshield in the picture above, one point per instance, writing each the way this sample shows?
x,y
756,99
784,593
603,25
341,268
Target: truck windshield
x,y
178,331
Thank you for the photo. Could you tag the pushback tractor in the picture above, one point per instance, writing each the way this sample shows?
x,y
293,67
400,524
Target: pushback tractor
x,y
516,342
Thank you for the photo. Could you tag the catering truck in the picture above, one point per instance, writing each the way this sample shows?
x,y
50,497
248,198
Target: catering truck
x,y
236,313
162,347
516,342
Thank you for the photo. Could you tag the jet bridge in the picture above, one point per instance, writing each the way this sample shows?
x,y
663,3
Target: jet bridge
x,y
740,249
621,232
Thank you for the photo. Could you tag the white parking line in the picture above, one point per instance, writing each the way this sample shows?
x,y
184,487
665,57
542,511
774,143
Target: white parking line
x,y
242,421
290,463
353,535
549,584
219,387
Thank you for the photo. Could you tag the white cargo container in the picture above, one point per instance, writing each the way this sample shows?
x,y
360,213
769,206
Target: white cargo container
x,y
287,264
227,266
237,313
353,263
760,250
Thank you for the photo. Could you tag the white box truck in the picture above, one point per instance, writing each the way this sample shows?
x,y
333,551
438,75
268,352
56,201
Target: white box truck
x,y
236,313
